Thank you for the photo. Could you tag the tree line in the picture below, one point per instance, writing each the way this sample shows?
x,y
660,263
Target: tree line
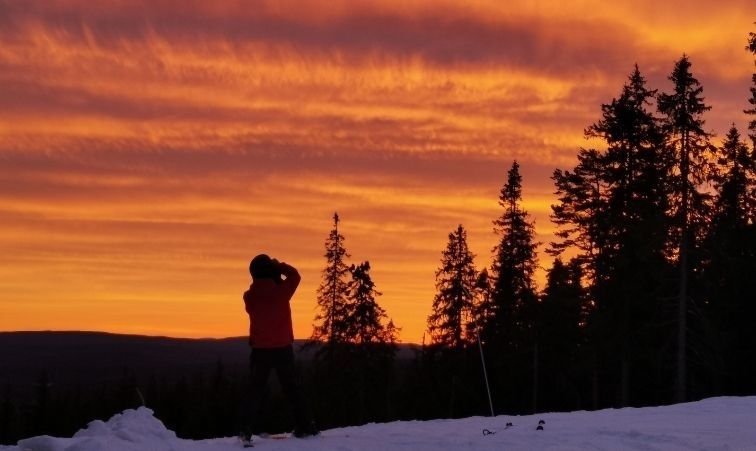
x,y
650,294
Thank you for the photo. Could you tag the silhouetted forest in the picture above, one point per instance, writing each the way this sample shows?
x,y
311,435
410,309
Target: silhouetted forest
x,y
649,299
651,292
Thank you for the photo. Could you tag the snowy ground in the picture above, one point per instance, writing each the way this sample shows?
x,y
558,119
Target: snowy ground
x,y
712,424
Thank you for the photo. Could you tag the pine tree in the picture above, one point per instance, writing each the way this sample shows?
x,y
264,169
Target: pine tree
x,y
508,315
371,340
634,166
482,304
729,270
733,182
450,324
332,319
366,318
751,47
580,213
563,303
634,169
390,333
560,332
613,211
512,270
583,227
683,110
752,113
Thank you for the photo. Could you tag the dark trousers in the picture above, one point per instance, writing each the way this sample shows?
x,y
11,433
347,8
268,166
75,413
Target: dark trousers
x,y
261,362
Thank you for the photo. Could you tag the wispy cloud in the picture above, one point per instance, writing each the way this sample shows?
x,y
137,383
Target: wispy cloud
x,y
149,149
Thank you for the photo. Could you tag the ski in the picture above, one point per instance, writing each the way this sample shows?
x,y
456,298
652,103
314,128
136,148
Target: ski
x,y
280,436
540,427
490,432
248,442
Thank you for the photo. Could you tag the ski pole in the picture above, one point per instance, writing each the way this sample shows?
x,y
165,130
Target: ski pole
x,y
485,373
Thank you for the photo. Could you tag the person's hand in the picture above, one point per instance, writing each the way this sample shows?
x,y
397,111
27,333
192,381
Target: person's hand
x,y
277,270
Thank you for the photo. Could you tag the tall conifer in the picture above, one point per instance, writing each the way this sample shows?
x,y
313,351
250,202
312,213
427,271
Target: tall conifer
x,y
751,47
683,110
450,323
367,320
332,319
514,264
634,170
560,332
613,210
731,263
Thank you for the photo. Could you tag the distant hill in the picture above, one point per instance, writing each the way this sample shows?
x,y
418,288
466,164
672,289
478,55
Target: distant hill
x,y
93,357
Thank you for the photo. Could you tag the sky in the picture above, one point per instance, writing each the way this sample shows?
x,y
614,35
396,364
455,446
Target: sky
x,y
149,149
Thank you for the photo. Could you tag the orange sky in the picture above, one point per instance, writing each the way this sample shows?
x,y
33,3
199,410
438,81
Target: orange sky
x,y
149,149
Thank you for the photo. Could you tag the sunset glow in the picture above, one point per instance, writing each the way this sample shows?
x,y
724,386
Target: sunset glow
x,y
148,150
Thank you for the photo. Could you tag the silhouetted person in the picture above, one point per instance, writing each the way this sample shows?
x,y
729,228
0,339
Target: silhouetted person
x,y
271,337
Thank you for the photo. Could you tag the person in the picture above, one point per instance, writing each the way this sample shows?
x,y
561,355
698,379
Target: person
x,y
271,337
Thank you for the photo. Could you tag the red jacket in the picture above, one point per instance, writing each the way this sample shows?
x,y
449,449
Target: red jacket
x,y
267,304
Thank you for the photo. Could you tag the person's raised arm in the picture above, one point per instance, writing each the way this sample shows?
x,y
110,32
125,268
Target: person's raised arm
x,y
292,280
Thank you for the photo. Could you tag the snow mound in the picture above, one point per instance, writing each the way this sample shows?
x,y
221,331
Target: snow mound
x,y
727,423
136,430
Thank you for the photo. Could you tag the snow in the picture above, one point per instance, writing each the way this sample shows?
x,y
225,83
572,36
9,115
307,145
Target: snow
x,y
712,424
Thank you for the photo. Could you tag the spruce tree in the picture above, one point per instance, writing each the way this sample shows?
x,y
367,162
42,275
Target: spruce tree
x,y
612,210
634,166
683,110
752,112
751,47
634,170
731,248
563,304
582,218
450,323
734,183
514,264
560,333
366,319
481,308
509,314
372,341
332,294
580,213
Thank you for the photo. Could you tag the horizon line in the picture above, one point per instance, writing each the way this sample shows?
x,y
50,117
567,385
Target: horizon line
x,y
103,332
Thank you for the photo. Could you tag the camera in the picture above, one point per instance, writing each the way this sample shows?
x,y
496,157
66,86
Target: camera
x,y
275,269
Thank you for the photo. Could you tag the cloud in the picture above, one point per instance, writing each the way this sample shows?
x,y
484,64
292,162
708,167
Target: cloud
x,y
149,149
